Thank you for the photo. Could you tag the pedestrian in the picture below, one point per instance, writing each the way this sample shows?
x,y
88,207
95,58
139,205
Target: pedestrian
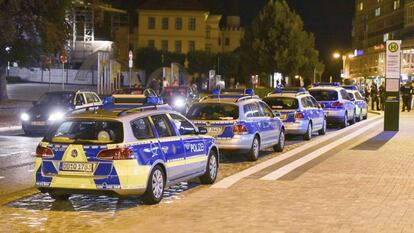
x,y
382,95
374,96
165,83
122,80
406,92
367,93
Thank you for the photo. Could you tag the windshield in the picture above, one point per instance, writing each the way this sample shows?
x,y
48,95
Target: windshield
x,y
324,95
55,99
217,111
178,91
86,132
282,102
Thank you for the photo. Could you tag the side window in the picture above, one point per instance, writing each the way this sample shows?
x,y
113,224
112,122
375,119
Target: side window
x,y
183,125
96,98
310,103
79,100
252,110
266,110
315,103
162,125
141,128
89,98
345,95
304,102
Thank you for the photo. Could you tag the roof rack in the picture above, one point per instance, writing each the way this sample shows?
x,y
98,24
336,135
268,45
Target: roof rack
x,y
144,108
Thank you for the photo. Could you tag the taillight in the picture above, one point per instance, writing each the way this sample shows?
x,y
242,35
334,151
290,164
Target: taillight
x,y
43,152
299,115
337,104
116,154
239,129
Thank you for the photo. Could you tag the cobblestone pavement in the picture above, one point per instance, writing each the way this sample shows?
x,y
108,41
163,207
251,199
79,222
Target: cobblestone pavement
x,y
366,185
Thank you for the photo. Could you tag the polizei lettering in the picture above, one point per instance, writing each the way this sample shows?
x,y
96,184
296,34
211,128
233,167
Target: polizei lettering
x,y
194,148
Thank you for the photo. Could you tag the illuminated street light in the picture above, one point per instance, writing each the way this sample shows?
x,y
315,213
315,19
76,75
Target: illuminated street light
x,y
336,55
344,57
8,48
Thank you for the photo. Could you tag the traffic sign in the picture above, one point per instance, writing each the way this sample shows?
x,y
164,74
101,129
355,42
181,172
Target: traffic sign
x,y
63,58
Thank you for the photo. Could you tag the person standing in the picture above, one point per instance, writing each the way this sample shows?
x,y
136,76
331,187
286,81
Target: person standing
x,y
367,93
374,96
382,96
165,83
406,92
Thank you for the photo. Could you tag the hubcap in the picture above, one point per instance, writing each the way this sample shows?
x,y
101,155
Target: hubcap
x,y
256,148
157,184
282,140
310,131
213,167
324,125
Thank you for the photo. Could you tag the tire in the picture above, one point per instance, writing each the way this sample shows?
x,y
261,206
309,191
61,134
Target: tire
x,y
308,135
212,169
366,115
353,120
360,117
323,130
344,122
253,154
281,143
155,187
59,197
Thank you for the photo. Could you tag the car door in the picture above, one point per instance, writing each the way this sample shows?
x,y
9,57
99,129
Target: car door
x,y
254,120
171,147
194,145
349,106
312,108
148,150
319,113
269,125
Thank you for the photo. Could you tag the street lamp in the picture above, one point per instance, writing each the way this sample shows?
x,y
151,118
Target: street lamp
x,y
344,57
8,48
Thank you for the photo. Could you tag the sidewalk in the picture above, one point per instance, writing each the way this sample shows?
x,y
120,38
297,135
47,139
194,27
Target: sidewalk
x,y
366,185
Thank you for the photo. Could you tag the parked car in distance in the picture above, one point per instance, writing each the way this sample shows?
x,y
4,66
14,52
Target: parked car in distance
x,y
180,97
361,106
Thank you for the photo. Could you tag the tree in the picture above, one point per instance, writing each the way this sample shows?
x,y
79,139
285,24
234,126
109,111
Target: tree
x,y
31,28
229,64
200,61
277,42
148,59
169,58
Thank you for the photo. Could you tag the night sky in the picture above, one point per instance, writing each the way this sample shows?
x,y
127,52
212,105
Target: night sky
x,y
329,20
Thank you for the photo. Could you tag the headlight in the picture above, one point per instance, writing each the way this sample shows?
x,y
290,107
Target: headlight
x,y
57,116
179,103
25,117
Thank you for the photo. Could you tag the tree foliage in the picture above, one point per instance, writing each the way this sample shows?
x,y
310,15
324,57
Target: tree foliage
x,y
200,61
277,42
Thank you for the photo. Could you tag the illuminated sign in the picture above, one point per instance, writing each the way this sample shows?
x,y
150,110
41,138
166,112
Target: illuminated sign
x,y
380,46
358,52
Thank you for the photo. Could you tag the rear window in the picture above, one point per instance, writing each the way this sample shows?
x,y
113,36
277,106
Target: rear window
x,y
86,132
282,102
324,95
216,111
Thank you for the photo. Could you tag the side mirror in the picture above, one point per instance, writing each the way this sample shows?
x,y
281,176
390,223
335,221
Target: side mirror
x,y
202,130
276,113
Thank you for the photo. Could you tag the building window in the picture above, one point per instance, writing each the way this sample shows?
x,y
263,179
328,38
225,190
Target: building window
x,y
192,24
208,32
178,23
396,4
378,11
219,41
227,42
361,6
164,23
151,23
164,45
178,46
208,48
151,43
191,46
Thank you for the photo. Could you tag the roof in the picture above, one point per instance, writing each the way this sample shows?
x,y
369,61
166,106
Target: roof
x,y
181,5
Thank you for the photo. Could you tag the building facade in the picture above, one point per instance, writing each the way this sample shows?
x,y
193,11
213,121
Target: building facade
x,y
375,22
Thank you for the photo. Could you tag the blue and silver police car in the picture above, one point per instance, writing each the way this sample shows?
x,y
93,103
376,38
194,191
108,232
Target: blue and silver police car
x,y
300,112
137,151
240,123
361,105
336,103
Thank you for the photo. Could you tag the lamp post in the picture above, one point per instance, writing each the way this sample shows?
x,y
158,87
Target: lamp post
x,y
8,48
344,57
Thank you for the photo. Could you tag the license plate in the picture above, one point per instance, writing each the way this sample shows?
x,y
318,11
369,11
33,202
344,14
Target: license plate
x,y
283,117
77,167
214,130
38,122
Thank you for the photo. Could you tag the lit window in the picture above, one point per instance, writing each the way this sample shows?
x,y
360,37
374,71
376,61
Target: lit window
x,y
164,23
192,24
378,11
386,37
361,6
178,23
178,46
151,23
396,4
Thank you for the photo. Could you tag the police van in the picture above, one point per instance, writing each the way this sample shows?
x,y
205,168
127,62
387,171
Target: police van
x,y
138,151
240,123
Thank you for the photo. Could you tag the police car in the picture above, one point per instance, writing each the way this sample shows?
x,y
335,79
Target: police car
x,y
137,151
300,112
359,101
240,123
128,98
336,103
53,106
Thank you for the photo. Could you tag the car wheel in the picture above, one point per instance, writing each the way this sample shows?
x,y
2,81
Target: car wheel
x,y
361,117
366,115
281,143
155,187
353,120
344,122
308,135
323,130
212,169
253,154
58,196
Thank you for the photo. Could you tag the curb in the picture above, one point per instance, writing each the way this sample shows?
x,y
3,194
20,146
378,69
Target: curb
x,y
10,128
